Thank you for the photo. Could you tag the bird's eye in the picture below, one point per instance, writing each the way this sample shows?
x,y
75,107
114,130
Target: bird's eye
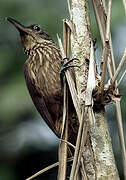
x,y
36,28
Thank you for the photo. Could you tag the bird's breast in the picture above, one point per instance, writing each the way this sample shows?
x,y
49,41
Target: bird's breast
x,y
44,73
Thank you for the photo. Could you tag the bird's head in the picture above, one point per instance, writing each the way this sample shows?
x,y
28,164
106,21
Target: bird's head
x,y
30,35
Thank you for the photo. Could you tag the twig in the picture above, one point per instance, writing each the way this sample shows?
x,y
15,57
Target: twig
x,y
69,9
63,145
119,68
120,80
99,21
106,47
105,57
112,59
46,169
109,68
108,20
71,85
124,4
121,136
91,115
83,142
70,144
72,174
104,5
87,122
83,172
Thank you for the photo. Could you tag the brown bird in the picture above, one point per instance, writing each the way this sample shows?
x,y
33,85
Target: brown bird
x,y
42,75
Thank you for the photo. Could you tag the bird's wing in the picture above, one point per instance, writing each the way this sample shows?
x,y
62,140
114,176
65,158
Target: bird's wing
x,y
37,97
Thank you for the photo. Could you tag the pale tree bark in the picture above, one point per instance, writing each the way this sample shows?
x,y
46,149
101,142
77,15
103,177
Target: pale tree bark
x,y
97,154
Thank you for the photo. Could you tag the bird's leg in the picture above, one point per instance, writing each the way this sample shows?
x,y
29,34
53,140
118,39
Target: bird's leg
x,y
65,66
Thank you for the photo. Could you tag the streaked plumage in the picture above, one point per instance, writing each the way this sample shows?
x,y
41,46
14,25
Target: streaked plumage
x,y
42,75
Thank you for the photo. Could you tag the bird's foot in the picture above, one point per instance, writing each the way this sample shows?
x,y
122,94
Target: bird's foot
x,y
65,66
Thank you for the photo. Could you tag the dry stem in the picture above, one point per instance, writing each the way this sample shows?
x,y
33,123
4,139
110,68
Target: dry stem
x,y
119,68
46,169
120,80
106,47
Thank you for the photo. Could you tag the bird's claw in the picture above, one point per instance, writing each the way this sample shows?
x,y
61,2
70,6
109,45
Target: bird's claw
x,y
65,66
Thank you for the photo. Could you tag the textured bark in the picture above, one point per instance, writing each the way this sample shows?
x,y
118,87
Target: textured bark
x,y
98,158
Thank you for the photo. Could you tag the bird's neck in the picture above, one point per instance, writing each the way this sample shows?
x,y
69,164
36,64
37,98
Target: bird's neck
x,y
30,45
42,46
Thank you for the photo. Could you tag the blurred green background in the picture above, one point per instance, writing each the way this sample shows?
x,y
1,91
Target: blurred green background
x,y
26,143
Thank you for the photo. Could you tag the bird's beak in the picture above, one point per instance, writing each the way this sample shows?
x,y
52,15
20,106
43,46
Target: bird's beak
x,y
18,25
